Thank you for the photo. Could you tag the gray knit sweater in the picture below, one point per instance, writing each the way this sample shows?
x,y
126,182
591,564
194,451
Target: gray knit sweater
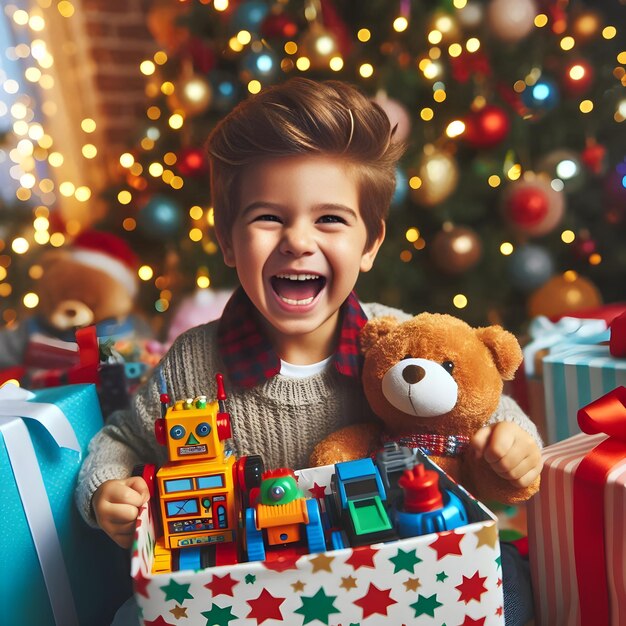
x,y
282,419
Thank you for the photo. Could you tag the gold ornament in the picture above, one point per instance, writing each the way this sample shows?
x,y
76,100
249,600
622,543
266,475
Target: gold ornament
x,y
319,46
192,95
439,174
455,249
563,294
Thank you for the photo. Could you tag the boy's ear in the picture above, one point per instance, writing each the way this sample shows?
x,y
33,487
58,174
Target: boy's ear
x,y
227,250
367,260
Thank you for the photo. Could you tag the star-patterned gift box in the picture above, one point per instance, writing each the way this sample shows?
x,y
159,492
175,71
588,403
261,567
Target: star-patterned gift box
x,y
55,569
452,577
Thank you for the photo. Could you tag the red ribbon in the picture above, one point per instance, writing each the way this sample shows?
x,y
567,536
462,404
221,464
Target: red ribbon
x,y
605,415
617,343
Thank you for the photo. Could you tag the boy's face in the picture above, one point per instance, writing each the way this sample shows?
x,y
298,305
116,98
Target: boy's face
x,y
298,243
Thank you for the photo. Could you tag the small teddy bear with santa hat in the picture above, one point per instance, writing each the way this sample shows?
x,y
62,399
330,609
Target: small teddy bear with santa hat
x,y
93,281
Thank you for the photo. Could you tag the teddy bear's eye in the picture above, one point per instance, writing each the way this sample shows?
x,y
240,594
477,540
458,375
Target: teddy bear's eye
x,y
448,366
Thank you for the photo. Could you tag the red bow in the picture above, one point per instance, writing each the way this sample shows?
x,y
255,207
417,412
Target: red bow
x,y
617,343
605,415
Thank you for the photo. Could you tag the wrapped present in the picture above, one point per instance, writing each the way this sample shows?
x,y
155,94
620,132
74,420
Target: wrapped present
x,y
451,577
567,364
577,522
58,570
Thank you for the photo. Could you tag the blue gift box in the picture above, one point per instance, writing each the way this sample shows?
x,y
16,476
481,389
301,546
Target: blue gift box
x,y
97,569
573,377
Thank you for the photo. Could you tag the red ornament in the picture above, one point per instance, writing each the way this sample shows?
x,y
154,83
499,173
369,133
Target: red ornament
x,y
278,26
487,127
468,65
202,55
578,77
594,157
192,162
527,207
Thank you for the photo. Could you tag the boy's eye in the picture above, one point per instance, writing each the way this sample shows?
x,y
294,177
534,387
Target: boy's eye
x,y
267,218
331,219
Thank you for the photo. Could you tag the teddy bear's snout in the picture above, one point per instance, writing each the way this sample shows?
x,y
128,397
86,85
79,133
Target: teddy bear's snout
x,y
413,374
71,314
420,387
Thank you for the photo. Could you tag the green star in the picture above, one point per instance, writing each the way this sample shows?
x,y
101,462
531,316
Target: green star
x,y
219,616
405,560
319,606
250,579
441,577
499,561
174,591
426,605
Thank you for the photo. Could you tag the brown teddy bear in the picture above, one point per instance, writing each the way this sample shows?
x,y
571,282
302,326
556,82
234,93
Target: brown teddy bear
x,y
434,381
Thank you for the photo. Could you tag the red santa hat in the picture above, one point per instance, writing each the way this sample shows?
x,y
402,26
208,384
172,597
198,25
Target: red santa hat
x,y
109,254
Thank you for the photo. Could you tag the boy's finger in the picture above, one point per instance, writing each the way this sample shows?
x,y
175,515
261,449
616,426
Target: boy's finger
x,y
138,484
479,440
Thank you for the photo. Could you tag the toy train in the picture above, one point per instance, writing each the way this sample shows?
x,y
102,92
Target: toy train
x,y
214,509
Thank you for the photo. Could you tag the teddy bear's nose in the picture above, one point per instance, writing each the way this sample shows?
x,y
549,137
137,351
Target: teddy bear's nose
x,y
413,374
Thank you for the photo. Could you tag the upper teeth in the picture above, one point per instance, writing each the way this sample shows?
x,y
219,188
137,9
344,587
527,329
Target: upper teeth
x,y
298,276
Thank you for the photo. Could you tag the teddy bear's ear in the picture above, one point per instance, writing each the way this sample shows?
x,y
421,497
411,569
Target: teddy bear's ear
x,y
504,348
374,330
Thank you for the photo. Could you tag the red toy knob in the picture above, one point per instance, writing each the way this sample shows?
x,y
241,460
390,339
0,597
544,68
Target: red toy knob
x,y
421,490
159,431
223,426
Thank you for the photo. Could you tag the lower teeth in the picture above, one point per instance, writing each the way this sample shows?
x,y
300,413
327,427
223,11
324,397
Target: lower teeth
x,y
298,302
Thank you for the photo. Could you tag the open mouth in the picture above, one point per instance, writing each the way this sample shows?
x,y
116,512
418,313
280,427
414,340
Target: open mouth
x,y
298,289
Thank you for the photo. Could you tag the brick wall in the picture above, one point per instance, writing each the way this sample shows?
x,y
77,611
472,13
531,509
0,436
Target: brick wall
x,y
119,40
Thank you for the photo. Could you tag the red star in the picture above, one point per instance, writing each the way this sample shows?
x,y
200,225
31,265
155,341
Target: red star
x,y
317,491
499,583
266,606
499,611
468,621
283,562
447,543
375,601
140,583
222,585
363,556
159,621
472,588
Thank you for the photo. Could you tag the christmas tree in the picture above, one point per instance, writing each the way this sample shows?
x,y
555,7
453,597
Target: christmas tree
x,y
511,196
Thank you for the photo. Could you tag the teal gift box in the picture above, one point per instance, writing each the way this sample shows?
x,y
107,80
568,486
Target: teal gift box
x,y
573,377
55,568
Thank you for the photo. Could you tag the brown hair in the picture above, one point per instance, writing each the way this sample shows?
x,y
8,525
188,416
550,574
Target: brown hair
x,y
300,117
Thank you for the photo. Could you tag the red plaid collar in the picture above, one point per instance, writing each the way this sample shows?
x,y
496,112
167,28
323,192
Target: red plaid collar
x,y
249,356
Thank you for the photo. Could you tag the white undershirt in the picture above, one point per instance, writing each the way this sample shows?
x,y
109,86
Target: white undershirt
x,y
303,371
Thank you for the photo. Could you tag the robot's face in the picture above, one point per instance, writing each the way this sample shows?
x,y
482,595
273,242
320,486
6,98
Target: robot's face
x,y
280,489
191,432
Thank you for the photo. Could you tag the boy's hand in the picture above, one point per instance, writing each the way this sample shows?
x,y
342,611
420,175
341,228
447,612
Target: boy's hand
x,y
116,506
510,451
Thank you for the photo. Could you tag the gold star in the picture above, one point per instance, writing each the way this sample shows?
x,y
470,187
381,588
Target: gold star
x,y
412,584
179,611
349,582
322,562
487,536
298,585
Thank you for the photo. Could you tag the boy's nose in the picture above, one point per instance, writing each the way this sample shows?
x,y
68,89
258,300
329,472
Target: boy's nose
x,y
298,241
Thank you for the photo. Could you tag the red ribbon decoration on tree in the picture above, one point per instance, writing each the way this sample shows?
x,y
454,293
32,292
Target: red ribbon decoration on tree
x,y
605,415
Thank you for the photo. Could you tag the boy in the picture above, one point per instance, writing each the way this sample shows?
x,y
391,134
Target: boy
x,y
301,177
